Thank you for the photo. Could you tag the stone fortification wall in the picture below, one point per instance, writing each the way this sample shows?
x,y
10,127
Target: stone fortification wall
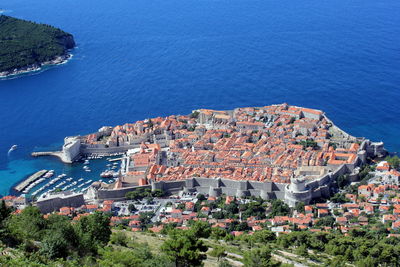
x,y
217,187
321,187
375,149
70,149
213,187
55,203
117,194
316,188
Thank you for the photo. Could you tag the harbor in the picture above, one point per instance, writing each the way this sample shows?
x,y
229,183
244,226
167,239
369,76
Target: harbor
x,y
76,177
20,187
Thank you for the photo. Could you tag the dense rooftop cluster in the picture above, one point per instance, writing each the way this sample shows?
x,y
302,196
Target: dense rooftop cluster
x,y
262,144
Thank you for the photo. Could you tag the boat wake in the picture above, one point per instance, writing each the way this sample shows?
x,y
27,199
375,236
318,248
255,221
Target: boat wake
x,y
14,147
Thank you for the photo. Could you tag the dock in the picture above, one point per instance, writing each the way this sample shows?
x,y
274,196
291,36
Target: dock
x,y
50,153
58,154
21,186
117,159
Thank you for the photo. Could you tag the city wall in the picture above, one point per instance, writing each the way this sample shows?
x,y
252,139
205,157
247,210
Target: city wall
x,y
54,203
299,190
213,187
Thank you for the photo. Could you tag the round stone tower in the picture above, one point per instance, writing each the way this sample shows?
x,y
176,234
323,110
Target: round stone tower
x,y
297,191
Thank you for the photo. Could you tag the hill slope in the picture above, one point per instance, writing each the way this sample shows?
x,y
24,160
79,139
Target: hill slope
x,y
26,45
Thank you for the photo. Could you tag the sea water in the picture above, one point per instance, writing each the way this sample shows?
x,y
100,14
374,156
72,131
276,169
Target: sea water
x,y
138,59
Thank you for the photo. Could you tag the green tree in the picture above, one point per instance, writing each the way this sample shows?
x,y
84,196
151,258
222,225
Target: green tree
x,y
342,181
132,208
145,219
137,256
194,115
4,211
217,233
254,208
326,221
300,207
28,225
366,262
59,237
54,246
119,238
158,193
338,261
224,263
279,208
25,43
309,143
339,198
302,250
184,249
218,252
200,229
92,231
258,257
264,236
201,197
394,161
232,208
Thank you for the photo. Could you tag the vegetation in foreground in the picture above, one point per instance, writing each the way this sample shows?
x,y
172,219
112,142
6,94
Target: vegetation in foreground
x,y
29,239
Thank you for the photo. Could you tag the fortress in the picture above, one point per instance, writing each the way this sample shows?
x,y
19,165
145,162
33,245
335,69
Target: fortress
x,y
300,189
291,153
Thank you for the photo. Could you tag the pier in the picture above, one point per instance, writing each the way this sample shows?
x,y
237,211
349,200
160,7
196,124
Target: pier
x,y
21,186
49,153
58,154
117,159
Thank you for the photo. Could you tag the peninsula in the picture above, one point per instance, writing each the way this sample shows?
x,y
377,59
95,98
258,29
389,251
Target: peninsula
x,y
27,46
278,151
282,176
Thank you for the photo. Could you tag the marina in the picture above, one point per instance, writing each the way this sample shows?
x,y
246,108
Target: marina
x,y
76,178
20,187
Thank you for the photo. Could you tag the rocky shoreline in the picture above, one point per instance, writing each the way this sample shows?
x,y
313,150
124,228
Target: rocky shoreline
x,y
36,67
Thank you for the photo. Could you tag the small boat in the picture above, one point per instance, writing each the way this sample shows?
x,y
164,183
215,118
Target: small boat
x,y
106,174
14,147
49,174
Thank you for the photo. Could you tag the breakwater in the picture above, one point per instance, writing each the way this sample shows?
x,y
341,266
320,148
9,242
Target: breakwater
x,y
21,186
48,153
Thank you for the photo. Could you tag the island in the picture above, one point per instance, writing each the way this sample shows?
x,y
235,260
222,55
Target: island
x,y
27,46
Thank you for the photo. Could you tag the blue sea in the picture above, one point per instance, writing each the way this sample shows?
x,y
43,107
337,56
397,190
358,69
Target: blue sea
x,y
137,59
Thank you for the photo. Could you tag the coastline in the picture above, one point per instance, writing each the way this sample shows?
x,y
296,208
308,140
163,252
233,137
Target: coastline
x,y
59,60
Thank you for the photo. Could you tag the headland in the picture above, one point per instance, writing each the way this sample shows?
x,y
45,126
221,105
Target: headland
x,y
278,151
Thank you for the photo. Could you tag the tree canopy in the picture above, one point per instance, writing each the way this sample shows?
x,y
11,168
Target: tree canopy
x,y
184,248
23,43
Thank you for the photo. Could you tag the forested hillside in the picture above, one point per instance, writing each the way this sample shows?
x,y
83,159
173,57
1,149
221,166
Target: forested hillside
x,y
24,43
27,238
